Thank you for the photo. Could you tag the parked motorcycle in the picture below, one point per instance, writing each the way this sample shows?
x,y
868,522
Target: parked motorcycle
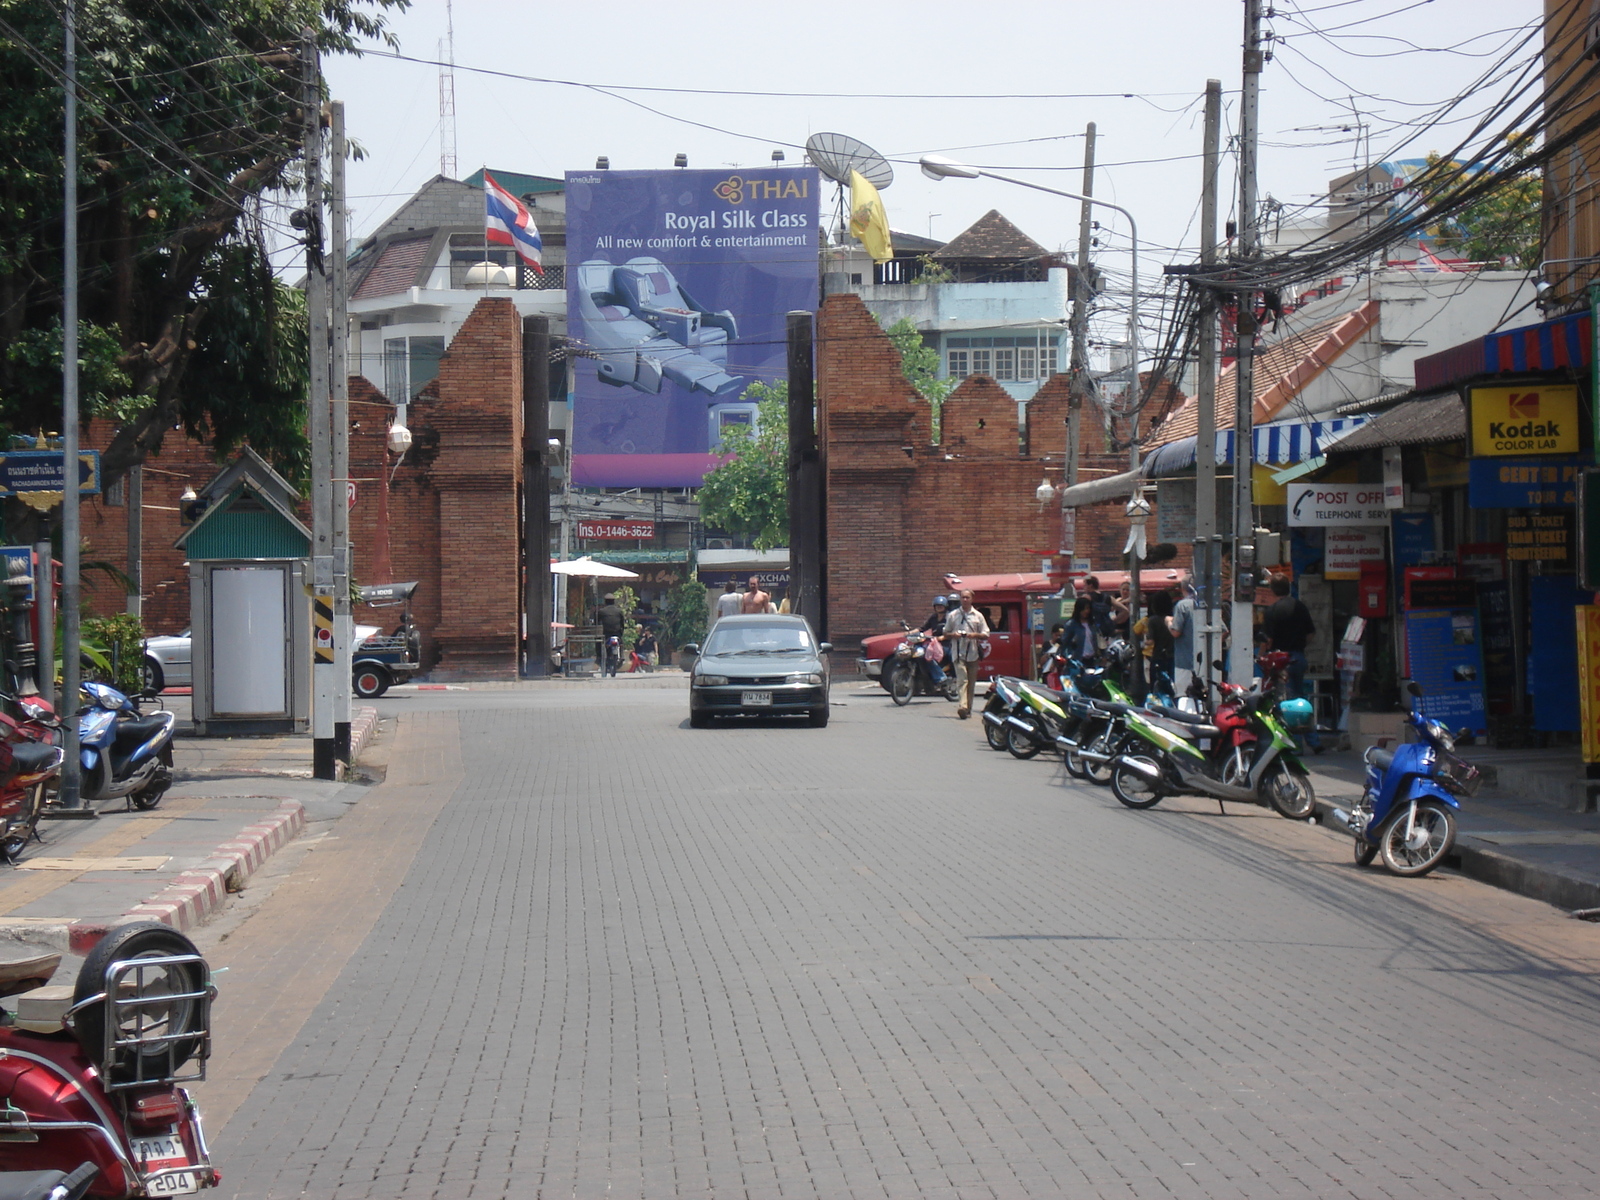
x,y
1003,698
1243,751
91,1074
1408,806
123,751
1036,721
29,761
910,674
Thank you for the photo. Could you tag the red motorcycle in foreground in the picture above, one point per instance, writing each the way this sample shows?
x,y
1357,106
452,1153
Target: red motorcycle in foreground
x,y
90,1075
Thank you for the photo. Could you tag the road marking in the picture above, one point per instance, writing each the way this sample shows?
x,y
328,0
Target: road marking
x,y
82,863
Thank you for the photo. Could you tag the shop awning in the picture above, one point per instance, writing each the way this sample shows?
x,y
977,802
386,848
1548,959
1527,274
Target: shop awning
x,y
1547,346
1414,423
1278,443
631,557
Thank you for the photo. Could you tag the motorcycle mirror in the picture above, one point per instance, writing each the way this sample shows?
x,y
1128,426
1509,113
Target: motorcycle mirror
x,y
1414,688
690,647
1218,665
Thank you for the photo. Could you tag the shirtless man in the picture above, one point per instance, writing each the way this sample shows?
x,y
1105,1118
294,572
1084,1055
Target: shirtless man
x,y
755,600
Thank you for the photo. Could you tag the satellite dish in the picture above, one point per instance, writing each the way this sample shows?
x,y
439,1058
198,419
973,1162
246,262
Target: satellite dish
x,y
837,154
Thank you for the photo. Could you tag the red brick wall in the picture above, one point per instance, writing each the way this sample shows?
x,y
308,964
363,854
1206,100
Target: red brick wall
x,y
898,521
447,517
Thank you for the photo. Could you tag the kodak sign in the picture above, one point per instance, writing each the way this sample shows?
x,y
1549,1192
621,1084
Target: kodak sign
x,y
1523,420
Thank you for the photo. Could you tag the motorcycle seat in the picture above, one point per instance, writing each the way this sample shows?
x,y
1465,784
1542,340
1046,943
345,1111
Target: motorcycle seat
x,y
140,729
1113,707
1168,713
30,757
1186,729
1382,759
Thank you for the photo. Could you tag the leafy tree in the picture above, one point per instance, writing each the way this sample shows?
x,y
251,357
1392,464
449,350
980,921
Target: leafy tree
x,y
683,616
749,493
919,363
189,113
1503,225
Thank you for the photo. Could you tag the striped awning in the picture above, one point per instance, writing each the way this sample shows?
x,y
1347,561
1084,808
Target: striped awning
x,y
1275,444
1562,343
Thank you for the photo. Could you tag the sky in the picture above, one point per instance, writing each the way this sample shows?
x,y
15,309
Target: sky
x,y
1008,87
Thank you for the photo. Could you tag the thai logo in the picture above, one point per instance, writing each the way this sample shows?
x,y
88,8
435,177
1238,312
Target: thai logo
x,y
730,189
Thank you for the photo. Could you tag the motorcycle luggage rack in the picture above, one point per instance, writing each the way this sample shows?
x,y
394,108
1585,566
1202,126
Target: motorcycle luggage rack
x,y
137,1026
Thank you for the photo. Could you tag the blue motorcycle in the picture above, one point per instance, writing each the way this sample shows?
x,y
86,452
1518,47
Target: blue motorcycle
x,y
1408,806
122,751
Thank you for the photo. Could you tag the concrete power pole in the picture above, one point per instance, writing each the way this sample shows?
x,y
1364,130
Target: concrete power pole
x,y
323,666
1207,544
807,587
1078,367
339,421
1241,660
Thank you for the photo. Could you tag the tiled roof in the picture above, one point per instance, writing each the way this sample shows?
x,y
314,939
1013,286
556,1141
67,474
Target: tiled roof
x,y
1413,423
396,268
1283,370
991,236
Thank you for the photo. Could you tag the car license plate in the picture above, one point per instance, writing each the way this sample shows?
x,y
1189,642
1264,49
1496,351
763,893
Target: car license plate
x,y
160,1153
756,699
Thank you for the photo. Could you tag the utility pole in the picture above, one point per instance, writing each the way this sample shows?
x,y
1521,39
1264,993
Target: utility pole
x,y
536,493
1078,367
339,421
1207,545
1242,659
133,493
806,514
71,797
323,665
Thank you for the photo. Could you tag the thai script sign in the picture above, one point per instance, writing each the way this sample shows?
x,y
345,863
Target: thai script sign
x,y
1312,504
1523,420
40,471
1344,550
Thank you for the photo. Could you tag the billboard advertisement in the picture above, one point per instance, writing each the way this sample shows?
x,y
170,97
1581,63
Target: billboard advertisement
x,y
678,283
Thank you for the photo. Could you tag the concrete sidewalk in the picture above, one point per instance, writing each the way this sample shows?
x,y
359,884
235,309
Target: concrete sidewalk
x,y
1519,832
234,802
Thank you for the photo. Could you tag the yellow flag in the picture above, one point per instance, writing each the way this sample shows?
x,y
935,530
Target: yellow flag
x,y
868,221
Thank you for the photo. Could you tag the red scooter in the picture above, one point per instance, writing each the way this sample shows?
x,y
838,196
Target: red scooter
x,y
90,1075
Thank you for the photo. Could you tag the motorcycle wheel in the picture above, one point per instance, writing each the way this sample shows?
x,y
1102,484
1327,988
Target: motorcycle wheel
x,y
1100,772
1132,788
995,733
1431,838
147,798
1023,745
951,690
1289,792
902,685
20,830
1365,852
176,1018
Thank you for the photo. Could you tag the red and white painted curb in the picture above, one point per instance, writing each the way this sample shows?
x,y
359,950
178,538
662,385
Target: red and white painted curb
x,y
203,889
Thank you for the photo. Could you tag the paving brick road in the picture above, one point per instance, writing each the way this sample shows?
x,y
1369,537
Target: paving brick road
x,y
630,959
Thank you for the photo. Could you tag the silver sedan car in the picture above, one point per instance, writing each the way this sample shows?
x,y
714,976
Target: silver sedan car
x,y
167,660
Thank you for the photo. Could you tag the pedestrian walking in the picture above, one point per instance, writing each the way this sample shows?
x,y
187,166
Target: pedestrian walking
x,y
966,628
1157,637
755,600
1181,626
1100,606
1287,626
727,603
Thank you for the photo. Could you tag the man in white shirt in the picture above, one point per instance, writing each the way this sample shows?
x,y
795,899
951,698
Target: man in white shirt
x,y
966,630
728,603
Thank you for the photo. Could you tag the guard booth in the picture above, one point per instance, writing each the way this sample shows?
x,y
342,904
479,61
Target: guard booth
x,y
249,607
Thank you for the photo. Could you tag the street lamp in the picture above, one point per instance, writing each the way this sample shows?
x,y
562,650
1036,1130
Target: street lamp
x,y
1137,512
937,167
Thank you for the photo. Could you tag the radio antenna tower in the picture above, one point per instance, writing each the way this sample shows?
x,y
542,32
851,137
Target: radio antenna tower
x,y
447,95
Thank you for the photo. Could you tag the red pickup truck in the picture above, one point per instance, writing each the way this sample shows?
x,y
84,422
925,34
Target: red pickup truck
x,y
1020,609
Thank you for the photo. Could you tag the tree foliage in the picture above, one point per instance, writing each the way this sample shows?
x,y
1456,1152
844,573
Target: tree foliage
x,y
684,615
919,363
189,112
749,493
1504,225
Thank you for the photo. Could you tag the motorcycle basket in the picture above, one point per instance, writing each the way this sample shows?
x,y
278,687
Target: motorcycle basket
x,y
1457,775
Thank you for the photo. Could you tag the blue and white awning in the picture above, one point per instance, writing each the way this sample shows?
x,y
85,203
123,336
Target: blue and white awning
x,y
1275,444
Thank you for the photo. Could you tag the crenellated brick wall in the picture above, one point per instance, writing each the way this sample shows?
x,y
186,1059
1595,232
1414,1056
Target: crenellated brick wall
x,y
902,511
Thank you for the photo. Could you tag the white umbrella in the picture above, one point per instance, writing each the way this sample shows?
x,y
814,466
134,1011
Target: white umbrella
x,y
587,567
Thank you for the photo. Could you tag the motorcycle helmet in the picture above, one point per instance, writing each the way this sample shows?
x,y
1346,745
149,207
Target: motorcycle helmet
x,y
955,599
1296,713
1120,652
941,602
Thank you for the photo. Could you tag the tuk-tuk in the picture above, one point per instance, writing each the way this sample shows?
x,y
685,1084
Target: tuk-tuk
x,y
385,659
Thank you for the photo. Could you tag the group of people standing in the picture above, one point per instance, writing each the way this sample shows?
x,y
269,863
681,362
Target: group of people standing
x,y
753,600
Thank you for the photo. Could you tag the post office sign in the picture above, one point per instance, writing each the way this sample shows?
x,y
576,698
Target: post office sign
x,y
1531,419
1312,504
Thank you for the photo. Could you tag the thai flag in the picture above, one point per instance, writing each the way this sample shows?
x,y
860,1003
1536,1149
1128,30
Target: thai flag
x,y
507,223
